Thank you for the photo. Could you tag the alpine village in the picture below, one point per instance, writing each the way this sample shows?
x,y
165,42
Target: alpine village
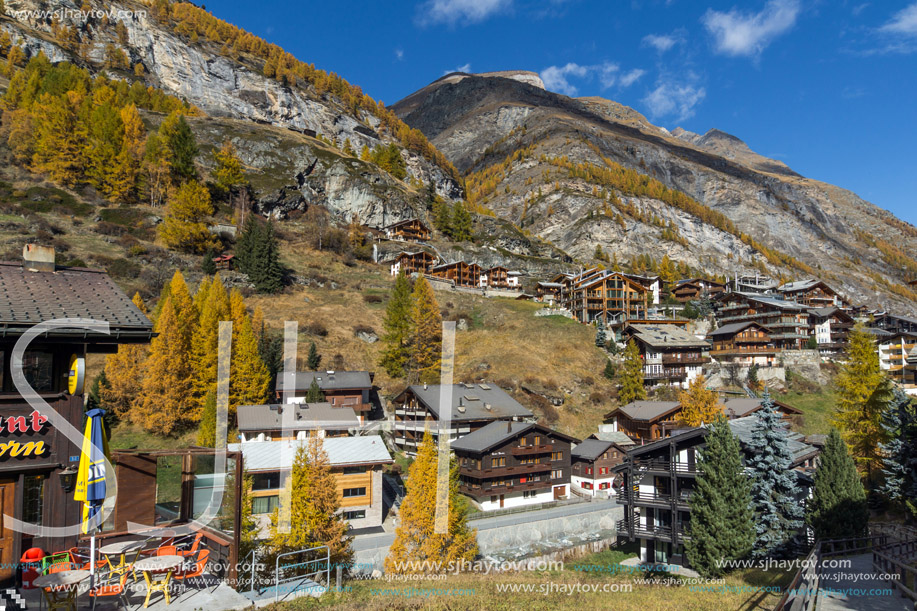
x,y
269,342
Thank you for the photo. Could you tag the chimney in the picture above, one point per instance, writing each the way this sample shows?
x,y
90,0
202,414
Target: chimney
x,y
37,258
509,426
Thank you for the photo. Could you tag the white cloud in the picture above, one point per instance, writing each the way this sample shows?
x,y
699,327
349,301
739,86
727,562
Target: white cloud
x,y
670,99
661,42
558,78
904,22
399,54
737,33
464,68
629,78
459,11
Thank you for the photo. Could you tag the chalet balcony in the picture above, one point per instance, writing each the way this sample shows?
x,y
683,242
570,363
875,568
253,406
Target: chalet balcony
x,y
479,491
644,530
651,498
505,471
527,450
662,465
744,351
684,359
667,374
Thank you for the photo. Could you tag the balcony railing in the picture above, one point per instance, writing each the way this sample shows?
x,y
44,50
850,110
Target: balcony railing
x,y
485,490
504,471
664,465
641,497
680,359
525,450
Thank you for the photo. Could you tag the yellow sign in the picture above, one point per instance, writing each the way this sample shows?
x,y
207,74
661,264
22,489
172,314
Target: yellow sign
x,y
77,375
24,450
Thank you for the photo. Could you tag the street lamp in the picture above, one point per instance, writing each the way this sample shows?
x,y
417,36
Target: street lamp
x,y
68,478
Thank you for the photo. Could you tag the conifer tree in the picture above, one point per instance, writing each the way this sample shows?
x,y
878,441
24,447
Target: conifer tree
x,y
609,371
397,325
863,395
314,393
721,527
228,172
257,254
314,360
426,333
838,507
442,219
631,376
213,307
601,338
775,490
699,405
59,137
461,222
206,432
123,374
314,507
250,379
185,227
900,463
416,541
180,147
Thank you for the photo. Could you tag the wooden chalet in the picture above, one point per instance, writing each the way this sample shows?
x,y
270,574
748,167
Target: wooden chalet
x,y
409,230
670,353
224,262
787,321
811,293
38,460
417,262
468,408
495,277
599,295
548,292
645,420
747,343
696,288
278,422
592,466
458,272
830,327
510,464
350,389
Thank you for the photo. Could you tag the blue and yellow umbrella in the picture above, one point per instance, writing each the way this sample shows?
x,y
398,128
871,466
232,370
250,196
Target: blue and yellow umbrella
x,y
92,476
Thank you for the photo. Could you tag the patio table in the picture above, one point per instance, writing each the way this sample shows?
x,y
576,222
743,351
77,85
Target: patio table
x,y
152,569
60,588
119,550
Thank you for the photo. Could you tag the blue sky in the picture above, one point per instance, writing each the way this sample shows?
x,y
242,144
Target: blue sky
x,y
828,87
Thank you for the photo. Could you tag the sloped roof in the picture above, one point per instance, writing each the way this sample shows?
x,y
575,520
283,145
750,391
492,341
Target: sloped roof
x,y
269,455
743,406
307,416
498,432
743,427
470,401
29,297
666,336
330,380
736,327
605,433
646,410
590,449
404,222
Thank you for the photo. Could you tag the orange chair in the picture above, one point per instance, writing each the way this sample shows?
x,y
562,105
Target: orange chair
x,y
167,550
197,570
195,545
111,585
80,556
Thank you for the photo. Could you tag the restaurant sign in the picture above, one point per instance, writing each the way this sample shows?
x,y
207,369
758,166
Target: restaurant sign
x,y
22,425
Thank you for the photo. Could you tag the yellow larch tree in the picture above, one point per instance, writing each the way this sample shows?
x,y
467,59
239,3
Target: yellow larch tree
x,y
698,404
185,226
426,333
124,373
213,303
249,377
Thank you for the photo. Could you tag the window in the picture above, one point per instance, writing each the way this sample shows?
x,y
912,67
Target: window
x,y
557,474
588,470
493,499
498,462
529,494
354,470
603,486
38,368
355,515
33,499
352,492
265,504
537,440
557,455
587,485
266,481
603,470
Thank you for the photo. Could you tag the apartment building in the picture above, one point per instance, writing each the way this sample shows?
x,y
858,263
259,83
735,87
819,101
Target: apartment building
x,y
267,422
409,230
812,293
787,321
671,355
592,468
416,262
894,352
690,289
830,326
352,389
746,343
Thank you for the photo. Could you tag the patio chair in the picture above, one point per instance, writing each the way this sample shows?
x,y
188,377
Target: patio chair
x,y
195,544
197,571
167,550
111,584
80,556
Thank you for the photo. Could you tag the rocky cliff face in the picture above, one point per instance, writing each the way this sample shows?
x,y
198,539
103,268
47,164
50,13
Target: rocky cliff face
x,y
478,122
302,169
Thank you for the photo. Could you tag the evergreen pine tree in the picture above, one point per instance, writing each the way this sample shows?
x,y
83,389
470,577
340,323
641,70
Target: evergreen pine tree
x,y
442,219
180,146
721,527
245,244
775,490
208,266
314,393
268,273
838,507
397,325
699,405
609,371
314,360
900,464
461,222
426,333
631,376
415,539
601,338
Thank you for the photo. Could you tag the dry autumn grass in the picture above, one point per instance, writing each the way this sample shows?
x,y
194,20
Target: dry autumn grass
x,y
505,343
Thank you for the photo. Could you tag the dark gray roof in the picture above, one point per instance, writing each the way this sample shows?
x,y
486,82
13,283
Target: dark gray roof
x,y
29,297
493,434
742,428
742,406
590,449
735,328
606,434
307,416
330,380
472,401
647,410
666,336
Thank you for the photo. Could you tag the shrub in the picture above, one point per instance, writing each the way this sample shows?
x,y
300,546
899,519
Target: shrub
x,y
372,298
106,228
124,268
363,329
316,328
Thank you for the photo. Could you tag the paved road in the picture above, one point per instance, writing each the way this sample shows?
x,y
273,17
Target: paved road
x,y
501,521
850,594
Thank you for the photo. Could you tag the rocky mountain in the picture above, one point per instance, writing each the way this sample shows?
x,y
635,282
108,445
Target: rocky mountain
x,y
289,134
589,172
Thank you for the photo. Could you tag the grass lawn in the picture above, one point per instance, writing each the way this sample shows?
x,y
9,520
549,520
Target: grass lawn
x,y
546,590
817,408
126,436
